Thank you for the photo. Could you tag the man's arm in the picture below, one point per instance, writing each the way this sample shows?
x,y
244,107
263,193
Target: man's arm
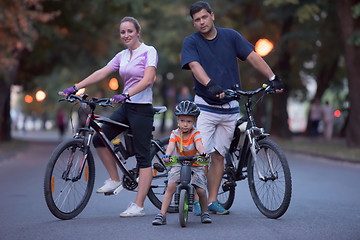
x,y
199,73
202,77
259,64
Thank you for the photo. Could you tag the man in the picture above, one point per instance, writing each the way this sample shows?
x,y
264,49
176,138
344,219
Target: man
x,y
211,54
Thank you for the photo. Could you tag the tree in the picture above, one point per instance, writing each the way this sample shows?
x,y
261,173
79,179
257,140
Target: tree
x,y
17,33
348,15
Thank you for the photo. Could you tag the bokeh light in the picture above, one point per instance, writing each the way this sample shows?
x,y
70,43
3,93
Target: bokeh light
x,y
113,84
40,96
28,98
263,47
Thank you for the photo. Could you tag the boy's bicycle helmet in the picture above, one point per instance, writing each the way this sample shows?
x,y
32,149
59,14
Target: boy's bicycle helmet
x,y
187,108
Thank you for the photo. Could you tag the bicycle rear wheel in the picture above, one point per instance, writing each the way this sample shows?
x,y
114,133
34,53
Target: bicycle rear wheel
x,y
272,194
67,186
160,174
183,207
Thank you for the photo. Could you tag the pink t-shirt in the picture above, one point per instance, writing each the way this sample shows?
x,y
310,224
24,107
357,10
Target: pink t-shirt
x,y
132,70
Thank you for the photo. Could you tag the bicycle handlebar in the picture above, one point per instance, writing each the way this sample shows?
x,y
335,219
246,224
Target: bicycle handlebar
x,y
104,102
236,94
198,159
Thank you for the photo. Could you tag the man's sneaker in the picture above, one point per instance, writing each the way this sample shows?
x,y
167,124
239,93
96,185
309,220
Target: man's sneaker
x,y
133,211
215,207
109,186
205,217
159,220
197,208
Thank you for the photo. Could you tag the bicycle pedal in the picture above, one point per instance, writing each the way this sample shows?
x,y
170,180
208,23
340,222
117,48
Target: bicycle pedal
x,y
158,167
228,185
118,189
108,193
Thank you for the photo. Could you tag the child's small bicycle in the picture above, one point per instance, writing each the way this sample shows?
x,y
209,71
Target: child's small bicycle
x,y
184,194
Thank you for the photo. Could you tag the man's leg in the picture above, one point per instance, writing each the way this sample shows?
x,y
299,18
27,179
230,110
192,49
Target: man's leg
x,y
214,175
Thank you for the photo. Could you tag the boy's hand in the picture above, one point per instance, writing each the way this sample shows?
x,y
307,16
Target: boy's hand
x,y
166,158
205,155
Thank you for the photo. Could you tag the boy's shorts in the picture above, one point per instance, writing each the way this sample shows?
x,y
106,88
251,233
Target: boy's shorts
x,y
198,177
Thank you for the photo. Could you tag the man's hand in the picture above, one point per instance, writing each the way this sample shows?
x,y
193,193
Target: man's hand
x,y
277,84
215,89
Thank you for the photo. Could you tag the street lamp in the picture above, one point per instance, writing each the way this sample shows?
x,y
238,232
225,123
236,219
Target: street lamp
x,y
263,47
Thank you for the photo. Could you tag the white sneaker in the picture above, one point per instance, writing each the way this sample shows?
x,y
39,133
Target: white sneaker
x,y
133,211
109,186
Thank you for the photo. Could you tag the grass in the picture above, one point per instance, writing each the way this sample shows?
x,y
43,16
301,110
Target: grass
x,y
335,149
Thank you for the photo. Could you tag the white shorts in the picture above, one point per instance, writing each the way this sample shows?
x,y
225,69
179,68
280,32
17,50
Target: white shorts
x,y
216,129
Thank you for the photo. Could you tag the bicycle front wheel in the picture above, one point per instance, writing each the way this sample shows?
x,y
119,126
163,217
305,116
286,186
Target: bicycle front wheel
x,y
160,173
183,207
270,179
69,179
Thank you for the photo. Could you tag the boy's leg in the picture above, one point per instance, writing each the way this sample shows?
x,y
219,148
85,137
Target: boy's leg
x,y
202,198
168,197
205,217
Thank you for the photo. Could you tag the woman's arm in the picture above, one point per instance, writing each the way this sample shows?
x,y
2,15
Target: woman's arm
x,y
147,80
95,77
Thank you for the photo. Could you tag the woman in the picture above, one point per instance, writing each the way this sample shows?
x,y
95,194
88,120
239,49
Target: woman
x,y
137,66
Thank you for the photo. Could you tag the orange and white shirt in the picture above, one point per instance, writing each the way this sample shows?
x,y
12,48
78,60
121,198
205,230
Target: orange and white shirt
x,y
185,147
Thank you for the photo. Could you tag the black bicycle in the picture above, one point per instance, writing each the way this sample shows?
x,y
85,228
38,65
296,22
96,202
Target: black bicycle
x,y
254,156
184,194
70,173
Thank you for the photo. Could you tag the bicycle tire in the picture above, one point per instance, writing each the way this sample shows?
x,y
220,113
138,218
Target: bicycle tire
x,y
226,194
183,207
159,181
66,198
272,197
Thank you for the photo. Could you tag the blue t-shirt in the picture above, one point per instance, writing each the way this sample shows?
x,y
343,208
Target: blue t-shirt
x,y
218,57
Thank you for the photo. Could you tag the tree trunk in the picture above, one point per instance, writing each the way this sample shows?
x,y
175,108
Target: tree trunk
x,y
5,119
279,116
352,55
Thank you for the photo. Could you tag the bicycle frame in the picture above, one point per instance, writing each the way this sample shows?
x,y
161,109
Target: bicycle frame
x,y
252,134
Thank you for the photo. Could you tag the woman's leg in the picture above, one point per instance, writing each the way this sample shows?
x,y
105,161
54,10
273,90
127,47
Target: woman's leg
x,y
110,132
109,163
145,178
141,119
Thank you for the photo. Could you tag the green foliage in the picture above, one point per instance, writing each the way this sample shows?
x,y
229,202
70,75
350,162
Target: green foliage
x,y
84,37
307,12
356,10
279,3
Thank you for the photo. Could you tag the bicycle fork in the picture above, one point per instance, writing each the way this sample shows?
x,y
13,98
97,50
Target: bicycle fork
x,y
185,177
252,133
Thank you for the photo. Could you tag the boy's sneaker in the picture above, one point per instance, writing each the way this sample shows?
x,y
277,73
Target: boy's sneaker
x,y
133,211
109,186
159,220
205,217
197,208
215,207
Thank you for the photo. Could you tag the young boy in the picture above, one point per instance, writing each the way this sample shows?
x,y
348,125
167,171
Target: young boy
x,y
185,141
